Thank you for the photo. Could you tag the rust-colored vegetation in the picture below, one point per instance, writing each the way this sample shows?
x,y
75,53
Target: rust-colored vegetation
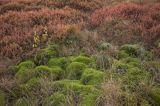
x,y
129,22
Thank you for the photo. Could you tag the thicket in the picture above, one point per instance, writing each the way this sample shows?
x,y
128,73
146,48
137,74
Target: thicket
x,y
129,22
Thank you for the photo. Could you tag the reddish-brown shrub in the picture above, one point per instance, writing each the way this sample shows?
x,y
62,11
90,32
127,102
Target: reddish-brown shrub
x,y
11,7
84,5
18,27
137,22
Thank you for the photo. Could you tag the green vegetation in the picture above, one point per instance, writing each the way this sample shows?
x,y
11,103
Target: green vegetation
x,y
25,64
61,62
57,99
45,54
79,53
2,98
21,102
155,95
68,80
75,70
131,50
83,59
92,77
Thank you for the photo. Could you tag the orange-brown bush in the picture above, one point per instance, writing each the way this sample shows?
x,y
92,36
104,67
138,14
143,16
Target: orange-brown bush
x,y
84,5
17,28
129,22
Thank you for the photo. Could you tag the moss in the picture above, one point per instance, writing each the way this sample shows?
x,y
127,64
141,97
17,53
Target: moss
x,y
22,102
83,59
155,95
2,98
57,99
75,70
92,77
61,62
24,74
26,64
43,55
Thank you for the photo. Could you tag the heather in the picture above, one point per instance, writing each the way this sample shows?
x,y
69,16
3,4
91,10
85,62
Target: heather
x,y
79,53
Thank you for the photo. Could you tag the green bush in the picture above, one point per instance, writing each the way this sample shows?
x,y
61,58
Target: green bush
x,y
43,55
89,99
104,46
132,61
75,70
43,71
75,85
22,102
57,99
2,98
132,50
103,62
30,86
153,64
122,54
61,62
155,95
83,59
24,74
86,94
26,64
92,77
133,77
121,65
54,72
144,103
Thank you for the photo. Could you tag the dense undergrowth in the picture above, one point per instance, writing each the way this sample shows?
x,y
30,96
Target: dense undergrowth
x,y
80,53
130,77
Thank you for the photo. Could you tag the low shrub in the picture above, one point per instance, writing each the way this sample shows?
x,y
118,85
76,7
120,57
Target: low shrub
x,y
43,55
132,61
92,77
31,85
128,23
61,62
24,75
54,72
103,62
132,50
155,95
122,54
21,102
89,99
19,27
83,59
133,77
26,64
104,46
2,98
57,99
75,70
